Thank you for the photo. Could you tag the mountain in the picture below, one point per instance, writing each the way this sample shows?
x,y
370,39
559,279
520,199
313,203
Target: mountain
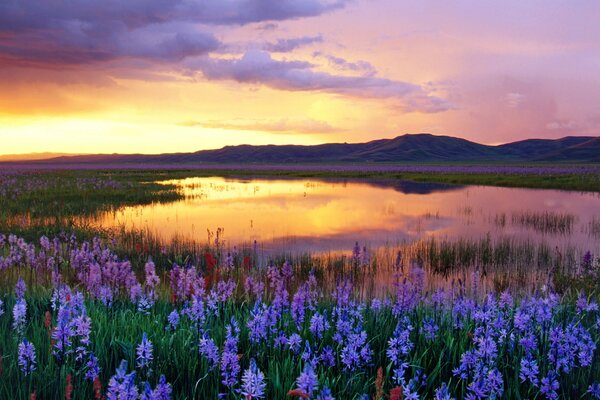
x,y
407,148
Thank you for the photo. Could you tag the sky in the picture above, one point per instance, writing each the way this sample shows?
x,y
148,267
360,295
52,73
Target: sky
x,y
154,76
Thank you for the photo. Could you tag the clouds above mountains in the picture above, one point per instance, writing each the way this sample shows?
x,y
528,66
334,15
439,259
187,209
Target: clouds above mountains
x,y
258,67
45,33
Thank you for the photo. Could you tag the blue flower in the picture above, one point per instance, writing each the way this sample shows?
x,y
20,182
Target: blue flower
x,y
253,382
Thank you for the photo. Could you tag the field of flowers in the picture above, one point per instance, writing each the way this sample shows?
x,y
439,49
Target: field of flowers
x,y
79,321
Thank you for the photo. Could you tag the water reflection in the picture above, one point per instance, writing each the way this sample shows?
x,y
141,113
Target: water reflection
x,y
324,215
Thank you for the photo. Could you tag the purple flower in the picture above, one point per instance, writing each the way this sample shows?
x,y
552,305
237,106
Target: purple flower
x,y
356,353
20,288
443,393
144,354
318,325
230,366
325,394
308,381
209,349
327,357
550,386
253,382
20,316
152,280
529,371
173,320
162,391
594,390
429,329
294,342
121,386
93,370
26,357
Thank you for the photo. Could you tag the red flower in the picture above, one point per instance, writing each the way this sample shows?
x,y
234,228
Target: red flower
x,y
298,393
69,388
396,393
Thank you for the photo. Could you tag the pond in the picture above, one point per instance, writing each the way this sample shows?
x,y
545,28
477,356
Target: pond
x,y
310,215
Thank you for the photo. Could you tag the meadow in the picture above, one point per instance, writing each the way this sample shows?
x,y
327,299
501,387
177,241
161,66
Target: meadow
x,y
120,314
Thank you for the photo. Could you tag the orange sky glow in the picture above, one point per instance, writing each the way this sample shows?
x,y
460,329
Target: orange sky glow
x,y
182,75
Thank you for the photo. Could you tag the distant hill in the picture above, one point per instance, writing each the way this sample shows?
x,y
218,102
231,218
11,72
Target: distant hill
x,y
32,156
407,148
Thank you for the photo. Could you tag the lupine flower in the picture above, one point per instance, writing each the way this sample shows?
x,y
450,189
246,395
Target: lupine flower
x,y
209,349
20,288
26,357
443,393
230,366
144,354
294,342
122,385
356,353
20,316
307,381
1,308
429,330
162,391
594,390
173,320
92,368
253,382
318,325
325,394
550,386
529,371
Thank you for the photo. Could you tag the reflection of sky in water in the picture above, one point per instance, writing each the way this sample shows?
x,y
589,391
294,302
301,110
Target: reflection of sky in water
x,y
313,215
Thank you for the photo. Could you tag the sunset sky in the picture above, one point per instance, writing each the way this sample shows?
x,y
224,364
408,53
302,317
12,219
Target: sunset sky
x,y
133,76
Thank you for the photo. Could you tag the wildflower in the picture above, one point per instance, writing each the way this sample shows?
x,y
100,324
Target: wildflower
x,y
69,388
173,320
1,308
307,381
294,342
325,394
253,382
152,280
144,354
396,393
162,391
92,368
209,349
529,371
443,393
230,367
356,353
594,390
122,385
97,388
429,329
318,325
20,289
20,316
550,386
26,357
327,357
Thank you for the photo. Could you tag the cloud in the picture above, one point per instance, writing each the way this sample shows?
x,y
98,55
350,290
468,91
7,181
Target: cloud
x,y
258,67
341,64
513,100
283,125
50,33
563,126
287,45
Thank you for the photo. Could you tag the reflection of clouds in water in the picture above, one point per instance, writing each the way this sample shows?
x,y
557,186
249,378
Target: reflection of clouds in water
x,y
332,214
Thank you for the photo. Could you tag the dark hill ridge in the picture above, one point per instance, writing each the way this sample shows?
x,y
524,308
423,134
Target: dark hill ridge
x,y
407,148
